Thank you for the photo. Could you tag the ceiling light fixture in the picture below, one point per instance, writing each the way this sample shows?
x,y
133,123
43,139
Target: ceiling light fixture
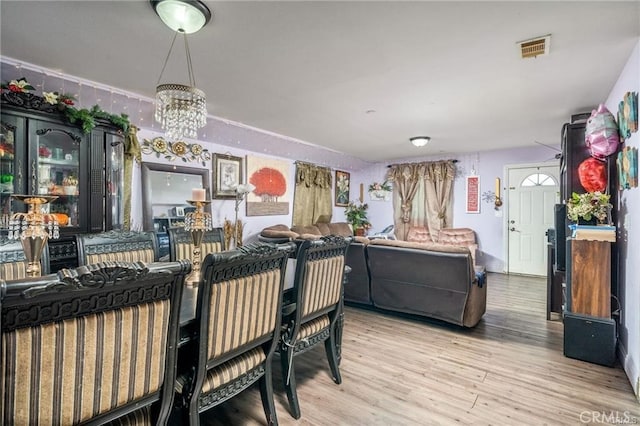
x,y
420,140
182,15
181,109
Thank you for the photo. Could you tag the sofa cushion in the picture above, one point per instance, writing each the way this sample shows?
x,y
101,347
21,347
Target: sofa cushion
x,y
279,231
324,228
419,234
457,236
309,229
420,246
340,228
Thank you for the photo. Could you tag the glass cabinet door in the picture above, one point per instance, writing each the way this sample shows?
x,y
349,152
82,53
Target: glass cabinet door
x,y
7,171
57,170
115,181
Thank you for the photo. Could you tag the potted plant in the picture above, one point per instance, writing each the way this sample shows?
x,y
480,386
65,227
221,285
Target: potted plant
x,y
356,215
589,207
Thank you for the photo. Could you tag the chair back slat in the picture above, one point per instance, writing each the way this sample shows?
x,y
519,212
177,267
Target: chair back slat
x,y
181,244
319,276
322,284
93,342
123,246
242,310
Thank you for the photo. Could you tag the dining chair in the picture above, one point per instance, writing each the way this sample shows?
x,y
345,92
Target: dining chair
x,y
317,292
13,262
126,246
238,311
91,345
181,244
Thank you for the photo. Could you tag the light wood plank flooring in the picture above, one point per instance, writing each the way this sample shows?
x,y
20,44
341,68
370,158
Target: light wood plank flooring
x,y
509,370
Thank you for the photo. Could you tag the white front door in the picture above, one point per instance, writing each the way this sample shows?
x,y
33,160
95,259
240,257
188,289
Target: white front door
x,y
533,191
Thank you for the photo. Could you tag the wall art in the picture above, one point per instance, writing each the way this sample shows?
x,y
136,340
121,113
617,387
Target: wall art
x,y
343,182
227,175
627,163
473,194
272,195
628,115
172,150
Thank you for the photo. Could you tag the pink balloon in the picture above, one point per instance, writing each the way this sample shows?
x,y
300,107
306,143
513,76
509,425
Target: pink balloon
x,y
601,134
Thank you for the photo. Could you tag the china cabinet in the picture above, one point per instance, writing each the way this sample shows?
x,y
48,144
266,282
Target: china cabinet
x,y
41,153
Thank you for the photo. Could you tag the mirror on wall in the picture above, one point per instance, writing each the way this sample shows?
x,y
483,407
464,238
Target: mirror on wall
x,y
165,189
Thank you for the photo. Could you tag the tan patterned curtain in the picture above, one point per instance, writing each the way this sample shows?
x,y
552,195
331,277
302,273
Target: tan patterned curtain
x,y
406,178
312,198
438,182
131,153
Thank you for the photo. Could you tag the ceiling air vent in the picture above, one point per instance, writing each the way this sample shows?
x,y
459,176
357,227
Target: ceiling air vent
x,y
535,46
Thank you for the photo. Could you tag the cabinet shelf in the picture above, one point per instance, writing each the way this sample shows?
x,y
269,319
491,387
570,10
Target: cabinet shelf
x,y
56,162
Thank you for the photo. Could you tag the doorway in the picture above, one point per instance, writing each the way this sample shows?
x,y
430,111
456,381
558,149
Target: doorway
x,y
533,191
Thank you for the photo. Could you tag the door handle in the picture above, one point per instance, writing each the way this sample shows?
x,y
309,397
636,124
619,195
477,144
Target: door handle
x,y
512,229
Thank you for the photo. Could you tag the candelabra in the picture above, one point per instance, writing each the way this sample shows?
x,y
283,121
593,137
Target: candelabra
x,y
33,229
241,192
197,222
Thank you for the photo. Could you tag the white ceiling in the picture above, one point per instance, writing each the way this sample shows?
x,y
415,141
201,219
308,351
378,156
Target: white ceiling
x,y
311,70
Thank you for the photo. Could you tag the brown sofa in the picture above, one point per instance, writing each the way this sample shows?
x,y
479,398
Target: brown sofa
x,y
436,280
429,279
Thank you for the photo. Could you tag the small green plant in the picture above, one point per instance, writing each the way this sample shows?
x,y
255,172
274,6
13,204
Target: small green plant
x,y
356,215
588,206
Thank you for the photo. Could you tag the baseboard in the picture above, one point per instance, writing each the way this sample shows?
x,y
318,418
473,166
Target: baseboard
x,y
630,369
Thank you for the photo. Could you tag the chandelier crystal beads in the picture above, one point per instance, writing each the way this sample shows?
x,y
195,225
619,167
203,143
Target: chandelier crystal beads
x,y
181,110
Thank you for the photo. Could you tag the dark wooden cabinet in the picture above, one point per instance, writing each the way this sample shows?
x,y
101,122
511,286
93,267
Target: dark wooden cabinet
x,y
591,266
590,277
41,153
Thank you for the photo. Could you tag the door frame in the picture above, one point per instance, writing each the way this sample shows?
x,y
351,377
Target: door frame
x,y
506,200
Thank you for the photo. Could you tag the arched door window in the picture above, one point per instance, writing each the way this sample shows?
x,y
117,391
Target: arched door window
x,y
539,179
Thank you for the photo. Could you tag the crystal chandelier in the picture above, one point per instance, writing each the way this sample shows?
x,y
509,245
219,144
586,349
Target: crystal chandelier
x,y
181,109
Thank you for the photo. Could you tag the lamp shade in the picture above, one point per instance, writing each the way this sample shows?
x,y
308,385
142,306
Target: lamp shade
x,y
420,140
182,15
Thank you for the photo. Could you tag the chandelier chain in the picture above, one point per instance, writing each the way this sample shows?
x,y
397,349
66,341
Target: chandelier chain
x,y
166,60
192,76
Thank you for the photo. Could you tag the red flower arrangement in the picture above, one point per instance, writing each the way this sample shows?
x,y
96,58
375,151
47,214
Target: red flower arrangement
x,y
19,86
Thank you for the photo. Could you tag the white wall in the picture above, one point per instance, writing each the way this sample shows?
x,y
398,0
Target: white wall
x,y
629,238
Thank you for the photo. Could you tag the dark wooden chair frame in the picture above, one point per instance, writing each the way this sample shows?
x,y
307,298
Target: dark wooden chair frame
x,y
219,267
290,346
97,288
115,241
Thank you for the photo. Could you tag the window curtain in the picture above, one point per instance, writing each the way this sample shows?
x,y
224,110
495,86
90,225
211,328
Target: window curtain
x,y
131,154
406,178
312,198
438,184
422,196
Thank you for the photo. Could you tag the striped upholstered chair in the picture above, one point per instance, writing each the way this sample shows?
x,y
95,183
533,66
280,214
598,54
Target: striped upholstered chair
x,y
181,244
317,292
238,311
117,245
13,263
91,345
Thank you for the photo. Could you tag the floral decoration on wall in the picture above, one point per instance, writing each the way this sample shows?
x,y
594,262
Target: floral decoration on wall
x,y
173,150
380,191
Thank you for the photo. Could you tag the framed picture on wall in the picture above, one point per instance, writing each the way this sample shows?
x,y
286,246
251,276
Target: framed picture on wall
x,y
227,175
472,199
343,182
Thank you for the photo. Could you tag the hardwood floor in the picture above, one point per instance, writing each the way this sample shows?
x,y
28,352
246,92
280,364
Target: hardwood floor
x,y
509,370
